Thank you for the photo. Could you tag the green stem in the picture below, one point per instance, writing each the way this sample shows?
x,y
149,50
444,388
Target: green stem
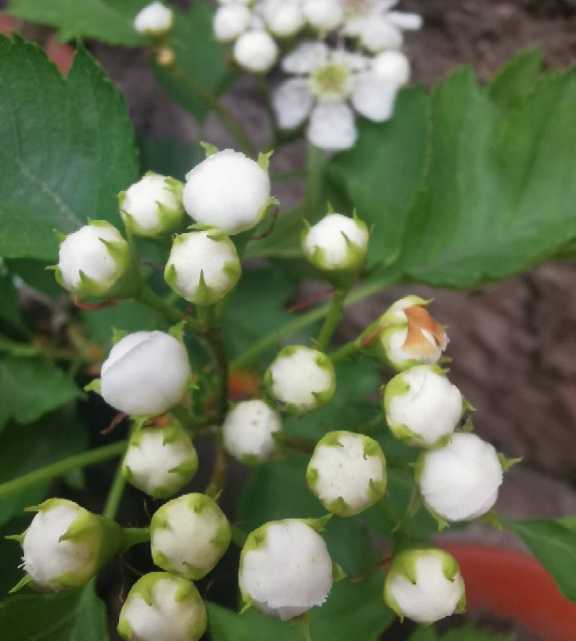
x,y
148,297
332,319
61,468
219,474
115,494
298,324
135,535
314,180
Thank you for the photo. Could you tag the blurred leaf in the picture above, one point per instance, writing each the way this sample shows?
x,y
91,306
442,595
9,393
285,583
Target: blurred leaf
x,y
128,316
466,633
106,20
383,171
257,306
23,449
554,545
68,616
35,275
31,387
517,79
227,625
355,402
11,553
68,149
9,310
200,70
168,156
501,188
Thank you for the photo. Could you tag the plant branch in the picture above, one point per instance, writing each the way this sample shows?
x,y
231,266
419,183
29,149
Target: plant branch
x,y
332,319
61,468
300,323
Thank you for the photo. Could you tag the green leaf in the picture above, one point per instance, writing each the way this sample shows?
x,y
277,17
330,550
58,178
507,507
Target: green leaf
x,y
355,402
23,449
126,316
257,307
168,156
9,311
68,149
517,80
30,388
383,171
200,71
35,275
466,633
501,187
554,545
106,20
68,616
226,625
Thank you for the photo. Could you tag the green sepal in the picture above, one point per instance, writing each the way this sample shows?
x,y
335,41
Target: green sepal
x,y
117,336
94,386
338,572
508,463
17,538
59,235
209,148
318,524
24,582
264,159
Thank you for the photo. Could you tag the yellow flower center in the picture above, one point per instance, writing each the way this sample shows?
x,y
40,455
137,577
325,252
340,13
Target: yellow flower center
x,y
331,82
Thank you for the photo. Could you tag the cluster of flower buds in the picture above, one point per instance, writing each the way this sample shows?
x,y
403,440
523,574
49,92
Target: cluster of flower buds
x,y
350,60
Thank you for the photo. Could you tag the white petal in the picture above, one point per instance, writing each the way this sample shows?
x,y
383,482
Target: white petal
x,y
354,61
378,34
332,126
380,6
305,58
231,21
393,66
292,103
406,21
324,15
374,97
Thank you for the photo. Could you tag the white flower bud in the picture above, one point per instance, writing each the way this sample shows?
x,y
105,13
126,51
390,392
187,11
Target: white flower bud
x,y
256,51
230,21
96,262
229,191
284,18
324,15
410,336
336,243
152,207
347,472
393,66
160,460
154,20
301,379
65,545
424,585
162,607
285,569
145,374
189,535
203,266
460,481
249,430
422,406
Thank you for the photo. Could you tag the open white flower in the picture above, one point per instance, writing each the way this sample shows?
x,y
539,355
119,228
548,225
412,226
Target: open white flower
x,y
285,569
160,460
347,472
203,266
145,374
301,379
162,607
152,207
422,406
249,429
374,24
154,20
189,535
460,481
330,85
424,585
